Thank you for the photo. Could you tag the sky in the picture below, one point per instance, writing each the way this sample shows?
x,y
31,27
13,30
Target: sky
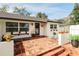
x,y
53,10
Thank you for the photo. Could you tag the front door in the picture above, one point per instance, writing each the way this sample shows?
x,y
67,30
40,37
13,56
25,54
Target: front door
x,y
37,28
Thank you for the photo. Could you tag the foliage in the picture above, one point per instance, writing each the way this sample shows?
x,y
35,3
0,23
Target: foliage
x,y
74,37
4,8
21,10
41,15
75,13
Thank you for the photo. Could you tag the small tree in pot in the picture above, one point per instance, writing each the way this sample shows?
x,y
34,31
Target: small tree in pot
x,y
74,40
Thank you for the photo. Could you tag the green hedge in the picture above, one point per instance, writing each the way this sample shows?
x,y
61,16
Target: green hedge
x,y
74,37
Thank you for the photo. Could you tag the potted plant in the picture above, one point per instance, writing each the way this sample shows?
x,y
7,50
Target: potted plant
x,y
74,40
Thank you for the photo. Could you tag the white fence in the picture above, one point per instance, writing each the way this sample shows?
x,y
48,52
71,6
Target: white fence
x,y
74,29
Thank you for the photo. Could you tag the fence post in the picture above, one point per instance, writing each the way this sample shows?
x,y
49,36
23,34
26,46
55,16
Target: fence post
x,y
59,38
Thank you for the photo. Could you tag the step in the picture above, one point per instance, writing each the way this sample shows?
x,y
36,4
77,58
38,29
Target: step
x,y
54,52
53,48
74,53
17,43
65,53
22,54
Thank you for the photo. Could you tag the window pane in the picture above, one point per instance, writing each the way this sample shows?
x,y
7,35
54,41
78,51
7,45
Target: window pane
x,y
51,26
24,27
11,26
55,26
11,29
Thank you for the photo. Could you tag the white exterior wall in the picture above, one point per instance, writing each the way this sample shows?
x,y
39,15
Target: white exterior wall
x,y
63,28
43,29
49,32
3,26
32,28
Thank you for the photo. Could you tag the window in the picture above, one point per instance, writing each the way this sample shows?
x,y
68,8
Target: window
x,y
55,26
11,27
24,27
51,26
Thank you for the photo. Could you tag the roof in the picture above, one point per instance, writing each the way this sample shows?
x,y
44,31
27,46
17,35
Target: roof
x,y
13,16
5,15
55,21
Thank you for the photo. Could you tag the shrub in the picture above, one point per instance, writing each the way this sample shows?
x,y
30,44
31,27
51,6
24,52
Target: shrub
x,y
74,37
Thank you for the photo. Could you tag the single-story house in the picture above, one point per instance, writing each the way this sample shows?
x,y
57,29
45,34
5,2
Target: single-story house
x,y
25,26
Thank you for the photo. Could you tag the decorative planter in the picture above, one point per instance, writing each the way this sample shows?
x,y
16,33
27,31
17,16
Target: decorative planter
x,y
78,43
75,43
74,32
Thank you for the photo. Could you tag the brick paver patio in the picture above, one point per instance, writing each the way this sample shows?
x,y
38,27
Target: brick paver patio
x,y
36,46
73,51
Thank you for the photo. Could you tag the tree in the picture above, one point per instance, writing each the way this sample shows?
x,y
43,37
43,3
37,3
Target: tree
x,y
44,15
4,8
41,15
21,10
75,15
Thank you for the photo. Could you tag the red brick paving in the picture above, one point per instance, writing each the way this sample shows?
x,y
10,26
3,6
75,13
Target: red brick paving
x,y
65,53
53,52
73,51
36,46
